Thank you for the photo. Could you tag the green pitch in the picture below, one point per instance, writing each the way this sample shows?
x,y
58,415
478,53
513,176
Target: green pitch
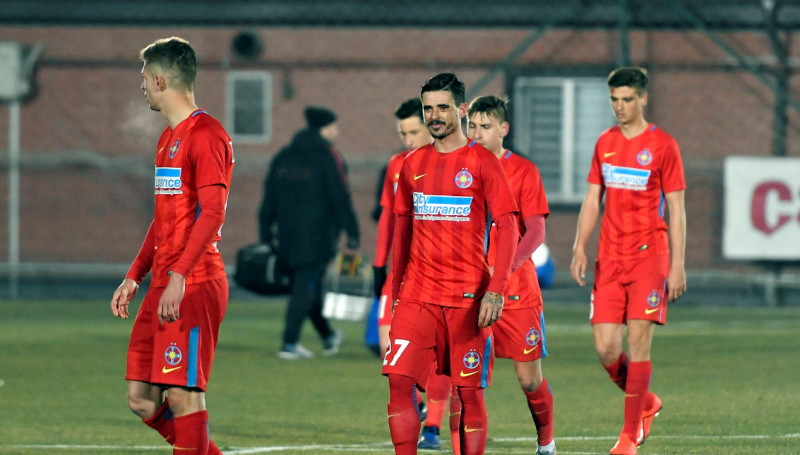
x,y
729,379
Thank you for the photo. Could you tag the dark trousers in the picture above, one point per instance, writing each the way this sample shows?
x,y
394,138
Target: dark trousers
x,y
306,301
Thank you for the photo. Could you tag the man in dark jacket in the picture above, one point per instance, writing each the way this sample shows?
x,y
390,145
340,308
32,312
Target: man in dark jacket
x,y
306,197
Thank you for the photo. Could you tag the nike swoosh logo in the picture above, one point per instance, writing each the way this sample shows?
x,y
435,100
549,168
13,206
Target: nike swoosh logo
x,y
471,430
651,310
417,177
606,155
464,375
166,370
528,351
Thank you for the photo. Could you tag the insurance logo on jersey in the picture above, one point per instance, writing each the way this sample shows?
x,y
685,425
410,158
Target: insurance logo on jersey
x,y
625,178
168,180
463,179
434,207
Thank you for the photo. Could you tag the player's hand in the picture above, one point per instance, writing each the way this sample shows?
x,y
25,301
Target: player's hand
x,y
578,267
491,309
122,297
676,283
170,303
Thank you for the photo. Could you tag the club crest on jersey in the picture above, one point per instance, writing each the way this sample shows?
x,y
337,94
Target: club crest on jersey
x,y
173,355
653,299
168,180
472,360
644,157
173,149
533,337
463,179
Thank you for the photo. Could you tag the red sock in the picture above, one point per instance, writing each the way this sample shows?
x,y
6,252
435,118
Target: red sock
x,y
438,390
540,403
635,395
474,421
191,434
455,421
162,422
403,417
618,371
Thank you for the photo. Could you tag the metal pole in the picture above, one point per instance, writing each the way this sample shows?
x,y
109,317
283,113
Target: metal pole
x,y
13,199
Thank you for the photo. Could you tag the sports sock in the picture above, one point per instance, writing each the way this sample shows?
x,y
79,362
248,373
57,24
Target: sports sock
x,y
455,421
474,421
404,421
618,371
540,403
636,393
162,422
417,400
438,390
191,434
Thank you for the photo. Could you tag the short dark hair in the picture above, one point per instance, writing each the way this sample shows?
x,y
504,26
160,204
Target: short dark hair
x,y
175,57
491,105
630,76
410,108
446,82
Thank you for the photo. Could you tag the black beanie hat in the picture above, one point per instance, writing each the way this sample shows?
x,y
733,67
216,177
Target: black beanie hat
x,y
319,117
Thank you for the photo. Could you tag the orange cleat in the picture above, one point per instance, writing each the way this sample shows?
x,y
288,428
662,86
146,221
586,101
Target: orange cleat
x,y
624,445
648,415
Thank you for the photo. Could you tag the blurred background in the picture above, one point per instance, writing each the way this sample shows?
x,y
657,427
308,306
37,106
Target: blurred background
x,y
77,138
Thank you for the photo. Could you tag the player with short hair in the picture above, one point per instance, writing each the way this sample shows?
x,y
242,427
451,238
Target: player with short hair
x,y
175,332
638,168
445,297
520,334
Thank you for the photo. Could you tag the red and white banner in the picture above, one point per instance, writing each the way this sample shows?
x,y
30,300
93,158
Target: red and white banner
x,y
762,208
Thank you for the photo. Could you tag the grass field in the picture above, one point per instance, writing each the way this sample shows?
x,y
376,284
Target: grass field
x,y
729,379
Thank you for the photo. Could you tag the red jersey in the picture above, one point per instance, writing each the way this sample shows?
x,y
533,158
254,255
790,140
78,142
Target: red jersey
x,y
522,290
447,195
391,178
635,174
197,153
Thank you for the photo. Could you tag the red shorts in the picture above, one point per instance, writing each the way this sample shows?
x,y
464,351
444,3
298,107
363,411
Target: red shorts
x,y
424,334
519,335
385,302
630,289
178,353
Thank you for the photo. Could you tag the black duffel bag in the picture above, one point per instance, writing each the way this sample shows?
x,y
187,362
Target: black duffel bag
x,y
258,270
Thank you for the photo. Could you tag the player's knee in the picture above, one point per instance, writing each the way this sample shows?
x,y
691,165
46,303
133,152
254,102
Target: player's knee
x,y
608,353
142,406
531,383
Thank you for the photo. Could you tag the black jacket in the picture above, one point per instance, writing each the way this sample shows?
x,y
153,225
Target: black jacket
x,y
306,197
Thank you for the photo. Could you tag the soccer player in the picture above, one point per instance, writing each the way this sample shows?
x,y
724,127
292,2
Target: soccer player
x,y
414,134
637,166
175,332
445,299
520,334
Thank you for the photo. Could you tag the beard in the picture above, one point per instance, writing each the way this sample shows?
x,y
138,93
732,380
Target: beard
x,y
449,128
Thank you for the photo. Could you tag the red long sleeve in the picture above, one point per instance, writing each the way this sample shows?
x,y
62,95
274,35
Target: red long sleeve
x,y
532,239
144,260
212,214
507,236
385,237
401,247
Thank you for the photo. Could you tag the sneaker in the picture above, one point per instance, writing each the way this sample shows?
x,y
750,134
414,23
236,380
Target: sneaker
x,y
430,439
549,449
624,445
294,351
332,343
648,414
422,410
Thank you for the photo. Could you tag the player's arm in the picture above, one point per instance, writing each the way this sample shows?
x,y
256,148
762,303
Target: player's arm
x,y
532,239
403,234
340,199
676,280
507,236
212,200
136,273
385,233
590,211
